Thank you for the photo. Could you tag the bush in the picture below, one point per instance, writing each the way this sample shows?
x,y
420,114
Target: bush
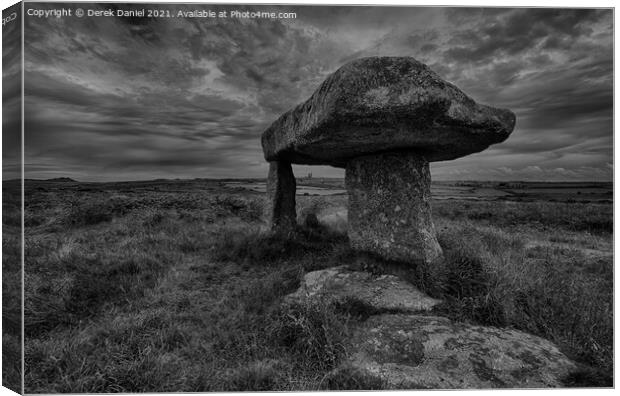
x,y
153,218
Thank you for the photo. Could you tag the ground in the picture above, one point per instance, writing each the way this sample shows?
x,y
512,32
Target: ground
x,y
177,285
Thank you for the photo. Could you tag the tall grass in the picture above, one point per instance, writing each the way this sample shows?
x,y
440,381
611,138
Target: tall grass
x,y
559,294
161,301
312,247
11,287
177,292
594,218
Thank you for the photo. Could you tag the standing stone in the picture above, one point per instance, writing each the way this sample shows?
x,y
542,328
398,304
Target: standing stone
x,y
390,207
281,189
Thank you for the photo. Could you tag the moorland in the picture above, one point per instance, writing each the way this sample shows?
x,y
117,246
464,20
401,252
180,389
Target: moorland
x,y
176,285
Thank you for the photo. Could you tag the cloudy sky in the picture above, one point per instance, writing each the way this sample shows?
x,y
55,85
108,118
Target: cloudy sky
x,y
127,99
11,95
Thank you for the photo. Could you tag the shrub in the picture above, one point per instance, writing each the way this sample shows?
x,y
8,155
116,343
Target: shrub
x,y
153,218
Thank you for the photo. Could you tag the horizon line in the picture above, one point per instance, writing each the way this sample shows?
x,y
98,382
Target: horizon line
x,y
300,177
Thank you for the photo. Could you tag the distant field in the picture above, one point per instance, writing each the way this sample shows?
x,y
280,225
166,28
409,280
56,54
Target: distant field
x,y
511,191
176,285
526,191
595,192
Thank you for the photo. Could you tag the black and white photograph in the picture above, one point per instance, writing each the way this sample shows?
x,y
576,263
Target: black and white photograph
x,y
219,197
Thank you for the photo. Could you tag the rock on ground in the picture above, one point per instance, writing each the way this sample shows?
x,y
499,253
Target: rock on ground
x,y
411,351
383,293
400,344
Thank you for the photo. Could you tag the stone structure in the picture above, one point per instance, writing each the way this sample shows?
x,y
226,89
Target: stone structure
x,y
383,119
390,206
281,188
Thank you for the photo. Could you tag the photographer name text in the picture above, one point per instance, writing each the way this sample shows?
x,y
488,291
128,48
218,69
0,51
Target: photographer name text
x,y
157,13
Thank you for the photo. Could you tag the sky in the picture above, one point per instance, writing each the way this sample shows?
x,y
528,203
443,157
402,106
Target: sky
x,y
110,99
11,94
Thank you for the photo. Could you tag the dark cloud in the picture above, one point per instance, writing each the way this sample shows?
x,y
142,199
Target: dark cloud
x,y
11,95
515,31
136,98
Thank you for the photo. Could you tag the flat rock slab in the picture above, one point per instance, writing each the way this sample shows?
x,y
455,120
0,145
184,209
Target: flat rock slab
x,y
412,352
384,293
382,104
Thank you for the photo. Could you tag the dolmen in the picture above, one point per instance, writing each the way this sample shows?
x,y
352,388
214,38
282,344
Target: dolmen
x,y
382,119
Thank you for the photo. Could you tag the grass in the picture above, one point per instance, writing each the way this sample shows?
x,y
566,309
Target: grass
x,y
130,290
555,292
593,217
308,246
347,378
11,288
314,333
150,298
233,346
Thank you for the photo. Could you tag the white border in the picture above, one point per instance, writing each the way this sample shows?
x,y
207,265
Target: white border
x,y
446,3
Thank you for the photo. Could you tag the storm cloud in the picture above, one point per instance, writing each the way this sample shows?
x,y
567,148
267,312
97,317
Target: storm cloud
x,y
128,98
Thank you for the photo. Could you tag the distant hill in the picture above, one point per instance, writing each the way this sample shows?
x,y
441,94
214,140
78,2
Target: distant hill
x,y
62,179
54,180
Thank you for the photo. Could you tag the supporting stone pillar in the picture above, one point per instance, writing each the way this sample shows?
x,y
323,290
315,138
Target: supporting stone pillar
x,y
281,189
390,207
